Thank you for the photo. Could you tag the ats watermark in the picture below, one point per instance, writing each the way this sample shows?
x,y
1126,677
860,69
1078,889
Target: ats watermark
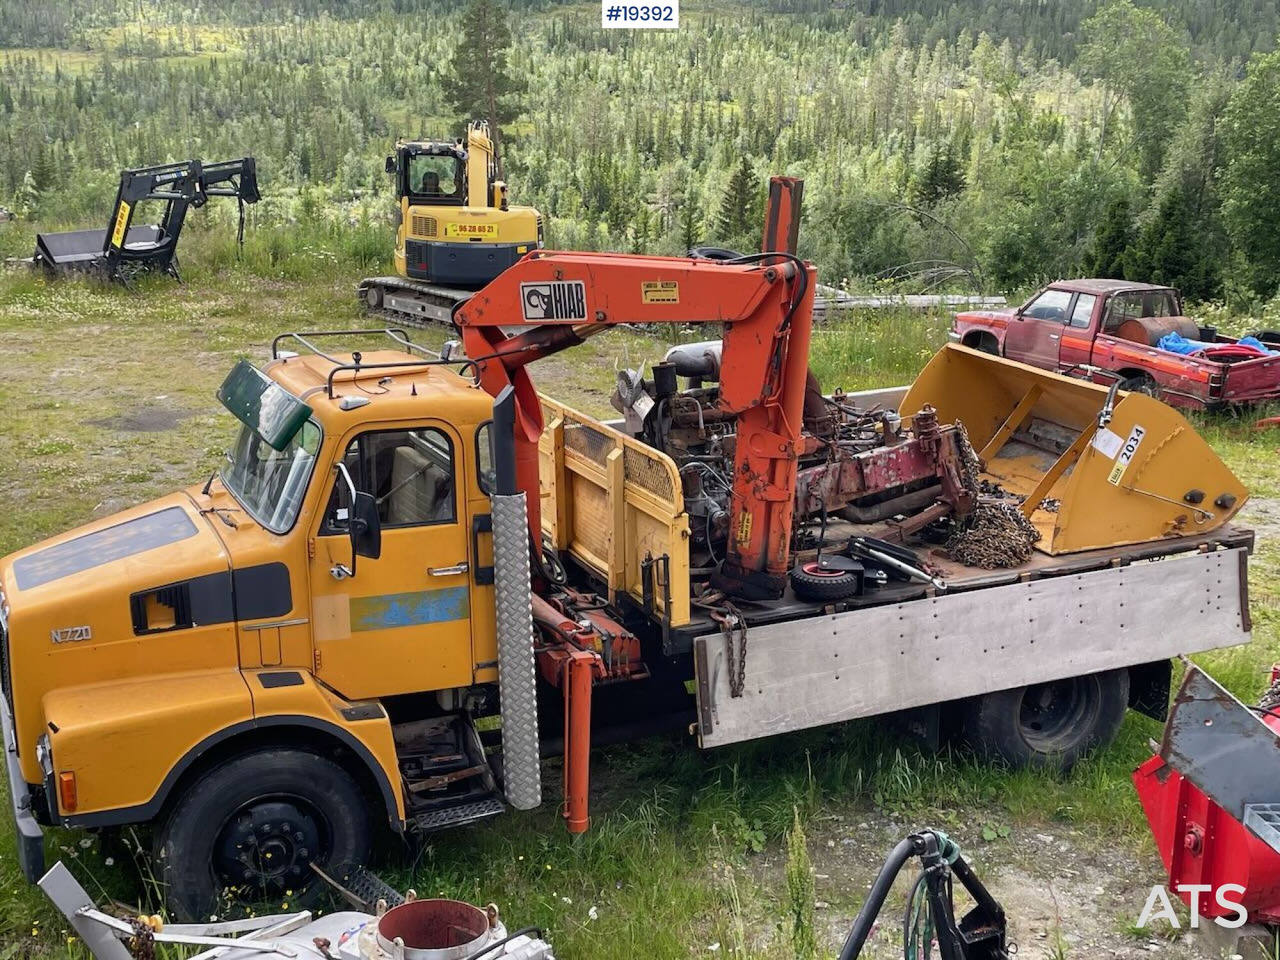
x,y
1220,903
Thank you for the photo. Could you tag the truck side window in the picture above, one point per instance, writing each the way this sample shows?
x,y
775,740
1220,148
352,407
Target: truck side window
x,y
1083,311
409,472
1050,305
484,456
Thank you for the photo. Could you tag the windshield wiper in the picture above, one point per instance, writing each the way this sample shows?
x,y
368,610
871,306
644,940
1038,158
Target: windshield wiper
x,y
208,484
221,514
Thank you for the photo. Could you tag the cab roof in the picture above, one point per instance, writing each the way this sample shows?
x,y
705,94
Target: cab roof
x,y
1103,286
415,389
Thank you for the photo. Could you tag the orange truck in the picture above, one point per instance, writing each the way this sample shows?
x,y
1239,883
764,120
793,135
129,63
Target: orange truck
x,y
1109,331
415,575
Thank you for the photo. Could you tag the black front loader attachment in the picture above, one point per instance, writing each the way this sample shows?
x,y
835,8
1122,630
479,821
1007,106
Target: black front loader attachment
x,y
122,247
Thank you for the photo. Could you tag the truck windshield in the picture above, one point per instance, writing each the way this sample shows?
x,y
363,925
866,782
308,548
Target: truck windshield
x,y
270,484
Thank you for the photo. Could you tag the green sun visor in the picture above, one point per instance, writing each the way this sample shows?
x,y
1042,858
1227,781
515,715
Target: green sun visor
x,y
262,405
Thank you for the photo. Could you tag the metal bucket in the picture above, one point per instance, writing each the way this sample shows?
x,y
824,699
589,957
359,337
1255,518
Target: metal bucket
x,y
435,930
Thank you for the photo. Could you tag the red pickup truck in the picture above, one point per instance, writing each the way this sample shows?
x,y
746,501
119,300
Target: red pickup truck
x,y
1109,330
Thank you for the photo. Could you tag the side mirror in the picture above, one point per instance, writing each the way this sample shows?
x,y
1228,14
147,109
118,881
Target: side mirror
x,y
363,525
366,528
391,164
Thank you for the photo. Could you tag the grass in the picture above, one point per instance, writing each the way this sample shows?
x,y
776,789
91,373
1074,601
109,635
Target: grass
x,y
687,849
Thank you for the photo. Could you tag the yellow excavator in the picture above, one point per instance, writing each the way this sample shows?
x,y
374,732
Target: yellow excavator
x,y
455,229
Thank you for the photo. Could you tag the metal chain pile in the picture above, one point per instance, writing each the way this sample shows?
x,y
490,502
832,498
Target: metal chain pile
x,y
994,535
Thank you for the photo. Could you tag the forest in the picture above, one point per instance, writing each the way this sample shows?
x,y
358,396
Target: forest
x,y
945,143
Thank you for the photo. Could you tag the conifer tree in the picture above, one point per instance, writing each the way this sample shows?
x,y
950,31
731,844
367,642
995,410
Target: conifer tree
x,y
479,83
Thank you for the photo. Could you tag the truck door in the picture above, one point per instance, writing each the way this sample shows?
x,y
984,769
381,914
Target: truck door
x,y
1076,346
403,623
1034,335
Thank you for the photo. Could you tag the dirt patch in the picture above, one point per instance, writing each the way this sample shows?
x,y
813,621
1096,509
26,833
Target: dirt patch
x,y
1262,514
1066,894
143,420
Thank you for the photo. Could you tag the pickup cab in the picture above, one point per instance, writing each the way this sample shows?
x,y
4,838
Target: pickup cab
x,y
1109,331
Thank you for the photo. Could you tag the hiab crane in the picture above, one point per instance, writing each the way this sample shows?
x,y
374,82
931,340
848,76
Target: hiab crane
x,y
406,551
455,228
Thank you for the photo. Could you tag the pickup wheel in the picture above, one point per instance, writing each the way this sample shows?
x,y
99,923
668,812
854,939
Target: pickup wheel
x,y
249,830
1141,383
810,582
1049,725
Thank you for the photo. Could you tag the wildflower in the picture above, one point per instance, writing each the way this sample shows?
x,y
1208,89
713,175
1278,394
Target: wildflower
x,y
109,862
566,900
593,913
86,843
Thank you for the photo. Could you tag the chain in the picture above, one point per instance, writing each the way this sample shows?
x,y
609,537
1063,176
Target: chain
x,y
994,535
734,627
970,465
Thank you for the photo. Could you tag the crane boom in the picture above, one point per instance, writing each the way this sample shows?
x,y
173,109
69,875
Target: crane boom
x,y
765,306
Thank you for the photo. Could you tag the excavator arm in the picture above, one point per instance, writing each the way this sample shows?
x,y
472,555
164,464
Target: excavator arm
x,y
550,301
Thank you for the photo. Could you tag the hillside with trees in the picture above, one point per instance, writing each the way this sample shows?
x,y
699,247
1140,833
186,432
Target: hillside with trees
x,y
985,145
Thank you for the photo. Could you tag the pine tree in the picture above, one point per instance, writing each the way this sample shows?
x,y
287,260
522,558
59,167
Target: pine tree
x,y
941,179
1166,251
737,219
1111,242
479,83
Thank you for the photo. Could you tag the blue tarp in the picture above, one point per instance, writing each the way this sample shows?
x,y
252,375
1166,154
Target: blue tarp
x,y
1176,343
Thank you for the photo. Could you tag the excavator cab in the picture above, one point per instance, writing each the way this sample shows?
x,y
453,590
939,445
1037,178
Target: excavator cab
x,y
456,227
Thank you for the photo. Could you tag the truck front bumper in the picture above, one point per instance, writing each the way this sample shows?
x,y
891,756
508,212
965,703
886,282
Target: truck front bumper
x,y
28,835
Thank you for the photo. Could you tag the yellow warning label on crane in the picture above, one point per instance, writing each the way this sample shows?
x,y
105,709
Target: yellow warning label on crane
x,y
660,291
744,527
122,224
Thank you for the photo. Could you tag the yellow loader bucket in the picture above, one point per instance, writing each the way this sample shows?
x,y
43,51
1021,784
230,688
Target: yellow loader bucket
x,y
1144,475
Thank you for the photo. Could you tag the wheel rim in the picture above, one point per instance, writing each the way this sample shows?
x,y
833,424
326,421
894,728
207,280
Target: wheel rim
x,y
812,569
266,848
1054,716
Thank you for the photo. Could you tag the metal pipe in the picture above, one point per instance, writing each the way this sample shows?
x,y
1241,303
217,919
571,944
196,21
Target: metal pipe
x,y
866,918
577,735
891,508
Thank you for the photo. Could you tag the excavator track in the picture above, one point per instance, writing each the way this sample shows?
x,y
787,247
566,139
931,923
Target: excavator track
x,y
411,301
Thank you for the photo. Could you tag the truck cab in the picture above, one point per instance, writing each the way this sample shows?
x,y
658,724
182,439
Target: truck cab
x,y
1111,331
271,622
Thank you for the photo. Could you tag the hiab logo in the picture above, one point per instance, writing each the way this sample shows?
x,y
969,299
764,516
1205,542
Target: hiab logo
x,y
1160,907
557,300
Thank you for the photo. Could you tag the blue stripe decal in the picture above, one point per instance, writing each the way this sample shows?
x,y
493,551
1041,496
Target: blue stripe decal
x,y
409,609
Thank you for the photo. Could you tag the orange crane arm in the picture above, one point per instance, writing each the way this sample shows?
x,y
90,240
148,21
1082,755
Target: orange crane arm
x,y
765,304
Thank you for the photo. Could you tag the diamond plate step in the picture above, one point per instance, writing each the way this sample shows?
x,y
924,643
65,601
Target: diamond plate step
x,y
456,816
1264,820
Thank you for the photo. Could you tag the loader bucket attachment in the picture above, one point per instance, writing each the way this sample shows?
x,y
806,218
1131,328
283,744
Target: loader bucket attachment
x,y
1144,475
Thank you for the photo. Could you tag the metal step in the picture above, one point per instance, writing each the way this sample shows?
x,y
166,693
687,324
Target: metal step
x,y
468,812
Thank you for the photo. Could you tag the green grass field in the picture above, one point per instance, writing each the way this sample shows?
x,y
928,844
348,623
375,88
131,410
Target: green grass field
x,y
687,854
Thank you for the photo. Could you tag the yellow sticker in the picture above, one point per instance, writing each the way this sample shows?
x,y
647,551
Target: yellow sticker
x,y
122,224
744,527
1126,455
470,230
660,291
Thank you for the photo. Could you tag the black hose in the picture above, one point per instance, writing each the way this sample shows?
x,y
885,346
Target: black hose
x,y
866,918
522,932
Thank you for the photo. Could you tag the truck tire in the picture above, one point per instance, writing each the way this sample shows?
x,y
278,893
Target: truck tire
x,y
253,825
1048,725
811,582
1141,383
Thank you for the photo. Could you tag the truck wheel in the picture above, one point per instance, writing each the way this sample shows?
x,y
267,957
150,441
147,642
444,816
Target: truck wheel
x,y
1141,384
253,826
1049,725
810,582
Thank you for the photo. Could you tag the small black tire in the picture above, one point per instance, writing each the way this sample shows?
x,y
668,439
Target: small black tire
x,y
1048,726
292,805
811,582
1142,383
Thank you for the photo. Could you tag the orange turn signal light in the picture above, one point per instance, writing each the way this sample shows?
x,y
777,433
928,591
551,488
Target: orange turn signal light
x,y
67,791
